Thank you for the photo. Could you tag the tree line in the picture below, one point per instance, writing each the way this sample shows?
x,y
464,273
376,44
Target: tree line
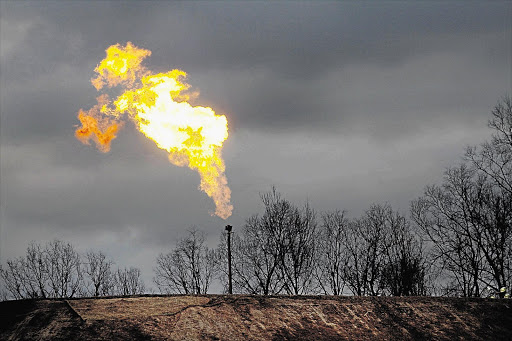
x,y
290,250
57,270
456,241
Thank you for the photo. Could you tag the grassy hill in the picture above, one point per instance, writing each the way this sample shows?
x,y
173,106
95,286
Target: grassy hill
x,y
243,317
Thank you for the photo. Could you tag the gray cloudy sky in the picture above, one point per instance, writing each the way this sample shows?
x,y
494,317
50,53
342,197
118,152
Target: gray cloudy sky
x,y
340,103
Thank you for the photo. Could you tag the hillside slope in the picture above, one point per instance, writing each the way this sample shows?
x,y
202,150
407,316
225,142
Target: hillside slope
x,y
242,317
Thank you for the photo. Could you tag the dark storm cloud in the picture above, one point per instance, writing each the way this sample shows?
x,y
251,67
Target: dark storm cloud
x,y
305,40
383,102
272,64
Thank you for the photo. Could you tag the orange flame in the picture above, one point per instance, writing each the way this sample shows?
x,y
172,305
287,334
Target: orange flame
x,y
100,129
193,136
122,65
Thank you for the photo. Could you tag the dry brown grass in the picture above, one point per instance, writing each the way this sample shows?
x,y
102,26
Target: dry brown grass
x,y
242,317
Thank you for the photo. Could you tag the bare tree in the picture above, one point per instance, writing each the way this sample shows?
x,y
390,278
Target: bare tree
x,y
373,255
441,214
170,274
468,220
494,158
98,270
491,219
129,282
254,268
300,249
34,269
189,268
64,269
259,252
50,271
275,252
56,270
405,269
14,280
365,244
27,277
492,207
332,256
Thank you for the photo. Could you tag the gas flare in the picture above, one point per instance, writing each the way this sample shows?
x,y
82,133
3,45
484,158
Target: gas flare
x,y
158,106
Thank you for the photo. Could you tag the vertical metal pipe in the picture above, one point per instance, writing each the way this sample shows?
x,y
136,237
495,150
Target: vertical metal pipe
x,y
230,283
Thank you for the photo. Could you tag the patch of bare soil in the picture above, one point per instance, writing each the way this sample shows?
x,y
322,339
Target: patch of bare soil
x,y
243,317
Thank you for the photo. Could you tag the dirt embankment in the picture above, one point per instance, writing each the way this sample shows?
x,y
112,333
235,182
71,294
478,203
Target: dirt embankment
x,y
242,317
